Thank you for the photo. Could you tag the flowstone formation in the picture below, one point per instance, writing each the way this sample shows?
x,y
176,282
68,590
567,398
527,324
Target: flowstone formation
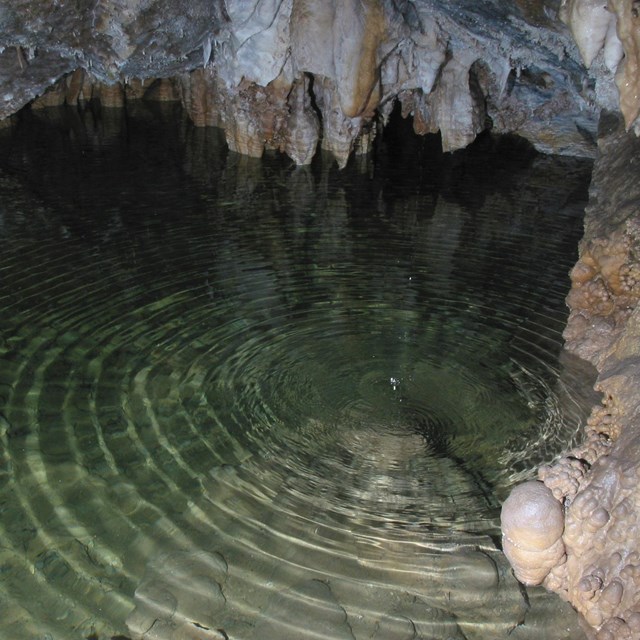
x,y
591,555
597,485
296,75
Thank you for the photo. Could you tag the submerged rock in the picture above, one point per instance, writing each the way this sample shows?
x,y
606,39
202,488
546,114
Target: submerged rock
x,y
306,610
180,597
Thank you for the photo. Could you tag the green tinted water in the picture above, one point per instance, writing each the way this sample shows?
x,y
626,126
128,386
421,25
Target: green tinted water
x,y
240,399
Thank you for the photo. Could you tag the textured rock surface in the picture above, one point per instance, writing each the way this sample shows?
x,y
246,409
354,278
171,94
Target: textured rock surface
x,y
295,74
627,78
606,279
599,481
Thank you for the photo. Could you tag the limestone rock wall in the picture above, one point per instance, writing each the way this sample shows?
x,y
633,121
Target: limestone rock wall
x,y
297,74
113,40
603,521
606,279
597,484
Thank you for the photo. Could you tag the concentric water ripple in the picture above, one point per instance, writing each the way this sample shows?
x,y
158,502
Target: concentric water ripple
x,y
244,400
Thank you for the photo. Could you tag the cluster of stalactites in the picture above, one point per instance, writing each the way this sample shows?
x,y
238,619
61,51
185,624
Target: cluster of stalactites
x,y
306,72
294,75
326,73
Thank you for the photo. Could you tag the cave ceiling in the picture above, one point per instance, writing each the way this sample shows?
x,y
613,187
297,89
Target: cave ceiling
x,y
457,67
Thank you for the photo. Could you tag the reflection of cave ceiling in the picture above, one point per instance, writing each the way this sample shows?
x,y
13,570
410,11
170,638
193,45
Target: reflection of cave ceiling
x,y
290,73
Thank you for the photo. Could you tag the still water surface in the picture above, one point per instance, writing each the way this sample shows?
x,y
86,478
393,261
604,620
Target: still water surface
x,y
244,400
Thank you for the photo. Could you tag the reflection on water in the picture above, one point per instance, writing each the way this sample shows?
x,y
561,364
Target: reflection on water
x,y
241,399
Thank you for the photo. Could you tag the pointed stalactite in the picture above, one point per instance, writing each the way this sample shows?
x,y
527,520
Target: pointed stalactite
x,y
358,30
302,128
628,73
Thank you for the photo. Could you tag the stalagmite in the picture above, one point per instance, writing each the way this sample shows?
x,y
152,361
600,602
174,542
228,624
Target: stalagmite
x,y
532,525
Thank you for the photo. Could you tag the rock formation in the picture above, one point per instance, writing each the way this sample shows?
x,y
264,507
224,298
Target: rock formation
x,y
597,483
532,525
296,75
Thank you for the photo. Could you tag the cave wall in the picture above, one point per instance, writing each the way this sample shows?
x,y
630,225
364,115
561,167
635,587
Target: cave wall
x,y
595,562
593,558
598,483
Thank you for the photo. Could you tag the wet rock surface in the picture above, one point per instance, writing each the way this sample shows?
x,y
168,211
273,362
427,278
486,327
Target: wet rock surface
x,y
302,74
598,482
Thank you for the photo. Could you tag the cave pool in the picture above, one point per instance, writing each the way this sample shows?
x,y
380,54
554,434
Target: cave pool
x,y
245,400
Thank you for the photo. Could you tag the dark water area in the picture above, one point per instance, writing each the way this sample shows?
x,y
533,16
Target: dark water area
x,y
240,399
